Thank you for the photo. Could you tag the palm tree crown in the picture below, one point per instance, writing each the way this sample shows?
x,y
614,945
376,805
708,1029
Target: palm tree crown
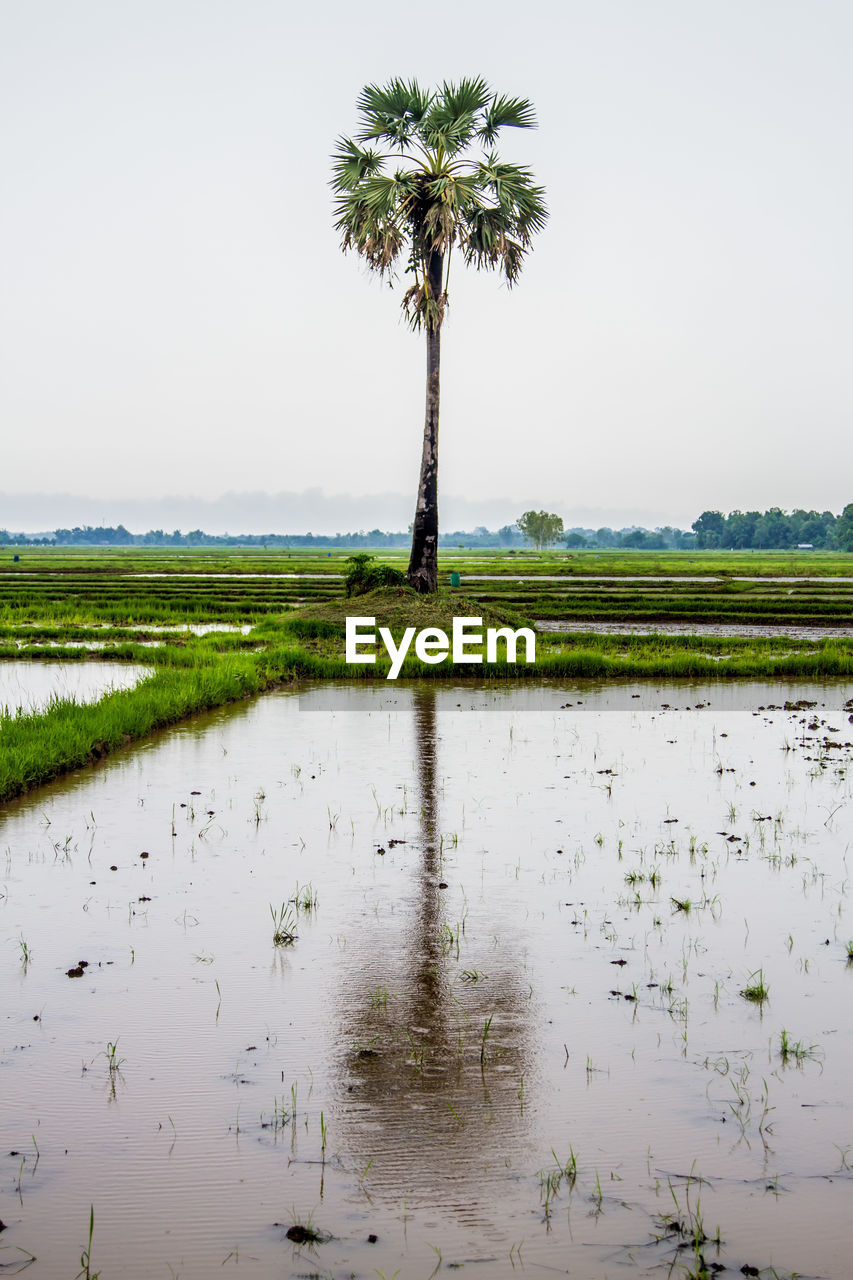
x,y
422,195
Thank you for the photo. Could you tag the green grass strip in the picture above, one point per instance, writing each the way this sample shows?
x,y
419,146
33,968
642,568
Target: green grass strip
x,y
39,746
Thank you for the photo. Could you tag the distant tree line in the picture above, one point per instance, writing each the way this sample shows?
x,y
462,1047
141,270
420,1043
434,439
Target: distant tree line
x,y
775,529
769,530
632,538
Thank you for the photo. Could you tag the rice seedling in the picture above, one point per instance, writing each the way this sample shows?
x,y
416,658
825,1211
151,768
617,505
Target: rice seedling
x,y
796,1051
86,1272
114,1062
549,1183
449,940
281,1116
26,953
486,1028
306,897
455,1114
304,1231
417,1052
284,925
756,989
686,1226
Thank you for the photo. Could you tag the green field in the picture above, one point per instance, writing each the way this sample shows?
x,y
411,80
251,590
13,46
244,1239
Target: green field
x,y
283,615
192,586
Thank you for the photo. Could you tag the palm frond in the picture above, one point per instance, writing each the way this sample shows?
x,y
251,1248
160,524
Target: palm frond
x,y
351,165
513,189
445,133
393,111
454,115
504,112
380,194
465,98
491,241
379,241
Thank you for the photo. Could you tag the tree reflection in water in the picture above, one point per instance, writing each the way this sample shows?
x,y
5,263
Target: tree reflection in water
x,y
429,1104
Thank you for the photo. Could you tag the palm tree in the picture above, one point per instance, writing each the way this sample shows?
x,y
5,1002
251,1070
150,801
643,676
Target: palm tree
x,y
416,198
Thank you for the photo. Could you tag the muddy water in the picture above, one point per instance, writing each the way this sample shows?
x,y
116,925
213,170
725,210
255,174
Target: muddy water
x,y
496,976
30,686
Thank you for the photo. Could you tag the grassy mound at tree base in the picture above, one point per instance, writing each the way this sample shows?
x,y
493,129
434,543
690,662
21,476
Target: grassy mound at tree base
x,y
401,607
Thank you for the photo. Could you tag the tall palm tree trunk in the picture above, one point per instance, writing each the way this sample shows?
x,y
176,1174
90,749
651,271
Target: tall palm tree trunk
x,y
423,562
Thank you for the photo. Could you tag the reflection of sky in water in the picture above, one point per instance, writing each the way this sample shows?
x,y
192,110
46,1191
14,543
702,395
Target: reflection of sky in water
x,y
481,854
29,686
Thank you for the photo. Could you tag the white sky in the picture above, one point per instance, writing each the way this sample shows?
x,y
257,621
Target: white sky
x,y
177,318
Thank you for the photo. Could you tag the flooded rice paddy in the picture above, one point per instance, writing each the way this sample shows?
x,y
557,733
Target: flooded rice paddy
x,y
30,686
581,626
560,985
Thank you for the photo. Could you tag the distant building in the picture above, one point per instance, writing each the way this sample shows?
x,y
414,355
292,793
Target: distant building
x,y
805,546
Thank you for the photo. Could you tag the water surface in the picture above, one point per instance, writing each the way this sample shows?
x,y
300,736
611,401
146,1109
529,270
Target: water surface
x,y
31,686
532,913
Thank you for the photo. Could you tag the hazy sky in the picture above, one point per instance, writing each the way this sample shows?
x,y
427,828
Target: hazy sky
x,y
177,318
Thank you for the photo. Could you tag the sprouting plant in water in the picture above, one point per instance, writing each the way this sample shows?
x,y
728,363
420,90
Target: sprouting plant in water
x,y
456,1116
449,940
756,988
306,897
687,1226
86,1272
26,953
379,998
284,925
796,1051
472,975
687,1221
111,1055
850,951
549,1185
681,904
553,1177
486,1028
280,1118
417,1051
304,1231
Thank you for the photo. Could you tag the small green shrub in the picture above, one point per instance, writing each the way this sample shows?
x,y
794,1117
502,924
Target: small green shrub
x,y
365,575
